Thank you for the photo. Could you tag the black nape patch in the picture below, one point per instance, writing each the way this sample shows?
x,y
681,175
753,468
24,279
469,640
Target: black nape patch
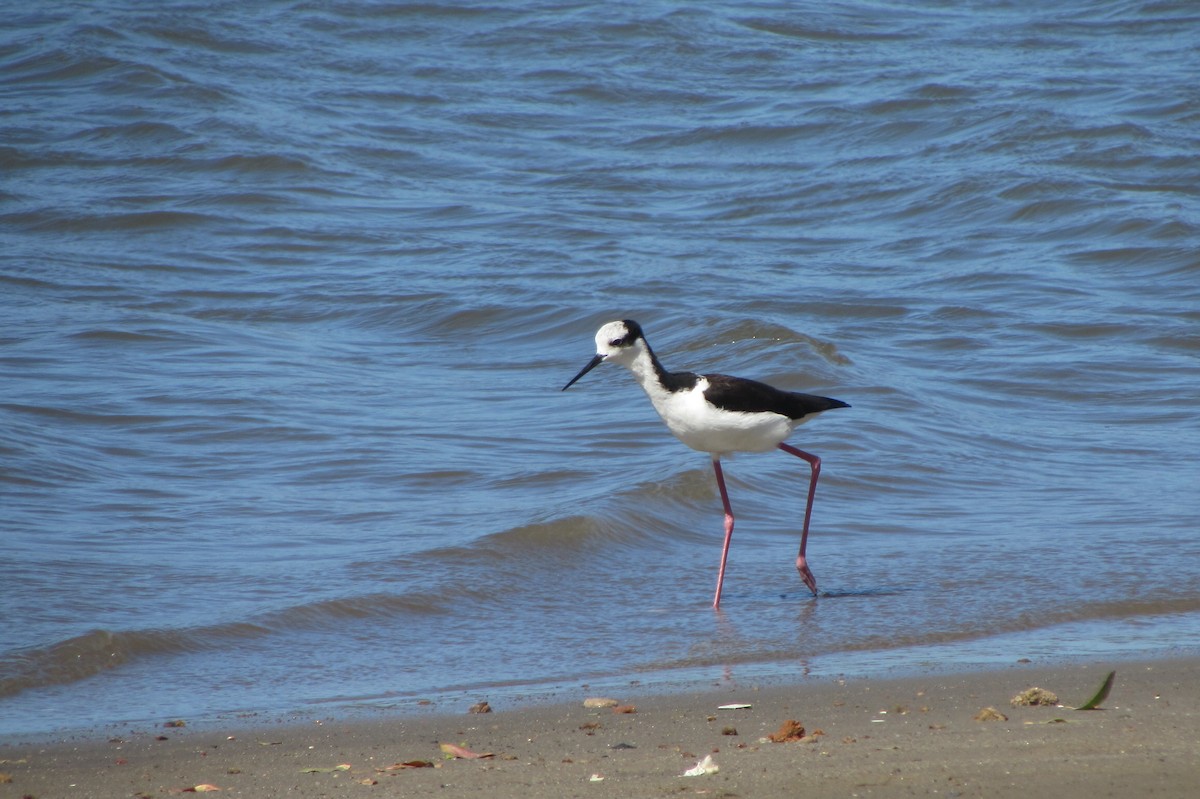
x,y
632,334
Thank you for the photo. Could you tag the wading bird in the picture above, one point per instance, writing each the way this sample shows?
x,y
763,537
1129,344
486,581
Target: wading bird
x,y
717,414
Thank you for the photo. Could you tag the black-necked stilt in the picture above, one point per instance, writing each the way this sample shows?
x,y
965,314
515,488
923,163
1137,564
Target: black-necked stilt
x,y
717,414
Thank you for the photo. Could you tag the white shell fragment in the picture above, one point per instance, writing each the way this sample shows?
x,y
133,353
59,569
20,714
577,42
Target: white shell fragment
x,y
703,768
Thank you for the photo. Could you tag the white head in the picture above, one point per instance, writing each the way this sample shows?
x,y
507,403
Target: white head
x,y
619,342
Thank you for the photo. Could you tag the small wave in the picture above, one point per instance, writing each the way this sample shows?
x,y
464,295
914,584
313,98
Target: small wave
x,y
204,37
451,571
780,334
125,336
268,163
91,653
78,417
732,135
84,656
140,133
64,662
443,318
1031,623
332,613
849,32
136,221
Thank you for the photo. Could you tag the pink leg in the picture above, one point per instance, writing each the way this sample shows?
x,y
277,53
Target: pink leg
x,y
801,561
728,528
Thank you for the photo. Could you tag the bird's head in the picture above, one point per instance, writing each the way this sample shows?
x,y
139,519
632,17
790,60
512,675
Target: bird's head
x,y
619,342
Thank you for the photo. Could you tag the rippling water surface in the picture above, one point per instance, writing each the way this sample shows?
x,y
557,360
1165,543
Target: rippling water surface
x,y
289,291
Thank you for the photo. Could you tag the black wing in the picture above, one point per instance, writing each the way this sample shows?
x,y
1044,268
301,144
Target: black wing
x,y
751,396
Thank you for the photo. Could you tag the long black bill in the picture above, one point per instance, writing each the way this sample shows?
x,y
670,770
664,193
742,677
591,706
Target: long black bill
x,y
592,364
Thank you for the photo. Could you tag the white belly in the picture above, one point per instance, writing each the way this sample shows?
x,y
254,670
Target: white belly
x,y
702,427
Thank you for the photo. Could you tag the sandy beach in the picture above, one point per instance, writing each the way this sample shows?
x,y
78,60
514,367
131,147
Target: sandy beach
x,y
861,737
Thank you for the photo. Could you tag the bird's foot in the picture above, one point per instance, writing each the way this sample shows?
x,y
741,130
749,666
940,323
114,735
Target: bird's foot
x,y
806,575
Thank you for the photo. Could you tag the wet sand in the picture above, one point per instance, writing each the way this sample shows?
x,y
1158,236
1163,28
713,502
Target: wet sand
x,y
863,737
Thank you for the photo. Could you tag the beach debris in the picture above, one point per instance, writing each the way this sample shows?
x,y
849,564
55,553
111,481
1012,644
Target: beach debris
x,y
596,778
735,706
730,730
625,709
452,751
5,777
175,723
990,714
1034,696
703,768
201,788
406,765
594,702
790,730
1101,695
590,727
480,707
329,770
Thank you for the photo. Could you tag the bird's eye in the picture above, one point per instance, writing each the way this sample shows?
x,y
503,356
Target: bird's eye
x,y
616,342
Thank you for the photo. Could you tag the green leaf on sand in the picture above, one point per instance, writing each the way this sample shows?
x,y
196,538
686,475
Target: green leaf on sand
x,y
1101,695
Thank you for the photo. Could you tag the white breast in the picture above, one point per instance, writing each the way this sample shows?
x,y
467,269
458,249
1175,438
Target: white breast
x,y
703,427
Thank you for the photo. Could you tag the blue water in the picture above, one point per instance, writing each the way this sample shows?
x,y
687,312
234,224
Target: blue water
x,y
289,290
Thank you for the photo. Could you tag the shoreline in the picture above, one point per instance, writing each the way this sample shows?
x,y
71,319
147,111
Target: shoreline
x,y
1061,646
877,736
